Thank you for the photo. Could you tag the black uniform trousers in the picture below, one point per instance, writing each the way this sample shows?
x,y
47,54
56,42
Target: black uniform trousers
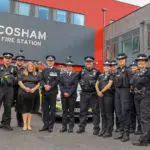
x,y
6,97
49,110
123,108
145,117
18,114
107,112
68,106
89,100
137,100
133,114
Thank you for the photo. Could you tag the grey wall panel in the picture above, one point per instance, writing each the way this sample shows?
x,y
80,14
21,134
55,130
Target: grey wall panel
x,y
62,39
128,23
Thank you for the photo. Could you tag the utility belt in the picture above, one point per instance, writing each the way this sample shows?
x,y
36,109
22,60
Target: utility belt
x,y
88,92
140,92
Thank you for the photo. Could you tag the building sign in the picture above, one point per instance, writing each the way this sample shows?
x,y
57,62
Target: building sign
x,y
17,35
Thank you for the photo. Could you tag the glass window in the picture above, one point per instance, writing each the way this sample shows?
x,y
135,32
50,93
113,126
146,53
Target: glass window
x,y
43,12
4,5
24,9
127,46
136,44
61,16
115,49
78,19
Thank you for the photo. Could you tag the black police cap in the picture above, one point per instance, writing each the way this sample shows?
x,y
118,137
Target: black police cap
x,y
113,62
51,58
122,56
20,57
7,54
89,58
107,63
69,61
142,57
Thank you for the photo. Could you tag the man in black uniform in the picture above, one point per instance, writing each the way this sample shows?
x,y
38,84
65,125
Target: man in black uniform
x,y
6,89
134,69
68,86
49,83
114,66
87,79
141,83
19,69
123,97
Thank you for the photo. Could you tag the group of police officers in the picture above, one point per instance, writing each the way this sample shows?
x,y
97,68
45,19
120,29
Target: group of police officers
x,y
120,94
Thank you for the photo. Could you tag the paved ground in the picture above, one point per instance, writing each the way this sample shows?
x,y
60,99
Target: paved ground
x,y
34,140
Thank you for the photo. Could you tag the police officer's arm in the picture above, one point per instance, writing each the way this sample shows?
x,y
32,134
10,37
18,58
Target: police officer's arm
x,y
107,87
97,86
73,88
42,81
62,89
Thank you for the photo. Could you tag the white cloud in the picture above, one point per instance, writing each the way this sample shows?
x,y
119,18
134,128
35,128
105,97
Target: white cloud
x,y
136,2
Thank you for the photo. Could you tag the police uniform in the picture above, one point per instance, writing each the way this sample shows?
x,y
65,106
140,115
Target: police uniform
x,y
107,103
68,84
133,109
6,92
49,76
88,97
142,92
19,70
113,73
123,99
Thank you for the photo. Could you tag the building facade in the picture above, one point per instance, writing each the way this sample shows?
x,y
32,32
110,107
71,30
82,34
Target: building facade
x,y
130,35
95,14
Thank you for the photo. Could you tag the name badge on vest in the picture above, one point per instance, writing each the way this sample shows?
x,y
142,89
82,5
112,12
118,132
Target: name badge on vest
x,y
53,74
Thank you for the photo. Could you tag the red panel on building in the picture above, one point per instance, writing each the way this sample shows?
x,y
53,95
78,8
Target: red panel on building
x,y
93,16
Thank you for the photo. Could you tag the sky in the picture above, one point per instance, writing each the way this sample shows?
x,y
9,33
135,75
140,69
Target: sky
x,y
136,2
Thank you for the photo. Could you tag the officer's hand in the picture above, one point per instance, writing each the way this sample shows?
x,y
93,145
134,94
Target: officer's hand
x,y
47,87
66,94
32,90
100,94
27,89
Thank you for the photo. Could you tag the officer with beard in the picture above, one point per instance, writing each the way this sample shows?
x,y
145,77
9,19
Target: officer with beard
x,y
87,79
123,97
6,89
141,83
19,69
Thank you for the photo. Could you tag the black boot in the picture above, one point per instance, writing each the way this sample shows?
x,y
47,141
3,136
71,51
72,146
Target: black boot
x,y
8,127
44,128
80,130
95,132
101,133
70,130
125,137
64,129
138,143
119,136
107,134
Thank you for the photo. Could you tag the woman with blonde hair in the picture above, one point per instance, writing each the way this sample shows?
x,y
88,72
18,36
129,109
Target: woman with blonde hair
x,y
29,82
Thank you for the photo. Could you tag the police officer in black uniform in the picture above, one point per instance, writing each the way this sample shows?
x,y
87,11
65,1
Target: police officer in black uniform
x,y
19,69
49,83
134,69
87,79
68,87
123,97
103,88
114,66
141,83
6,89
